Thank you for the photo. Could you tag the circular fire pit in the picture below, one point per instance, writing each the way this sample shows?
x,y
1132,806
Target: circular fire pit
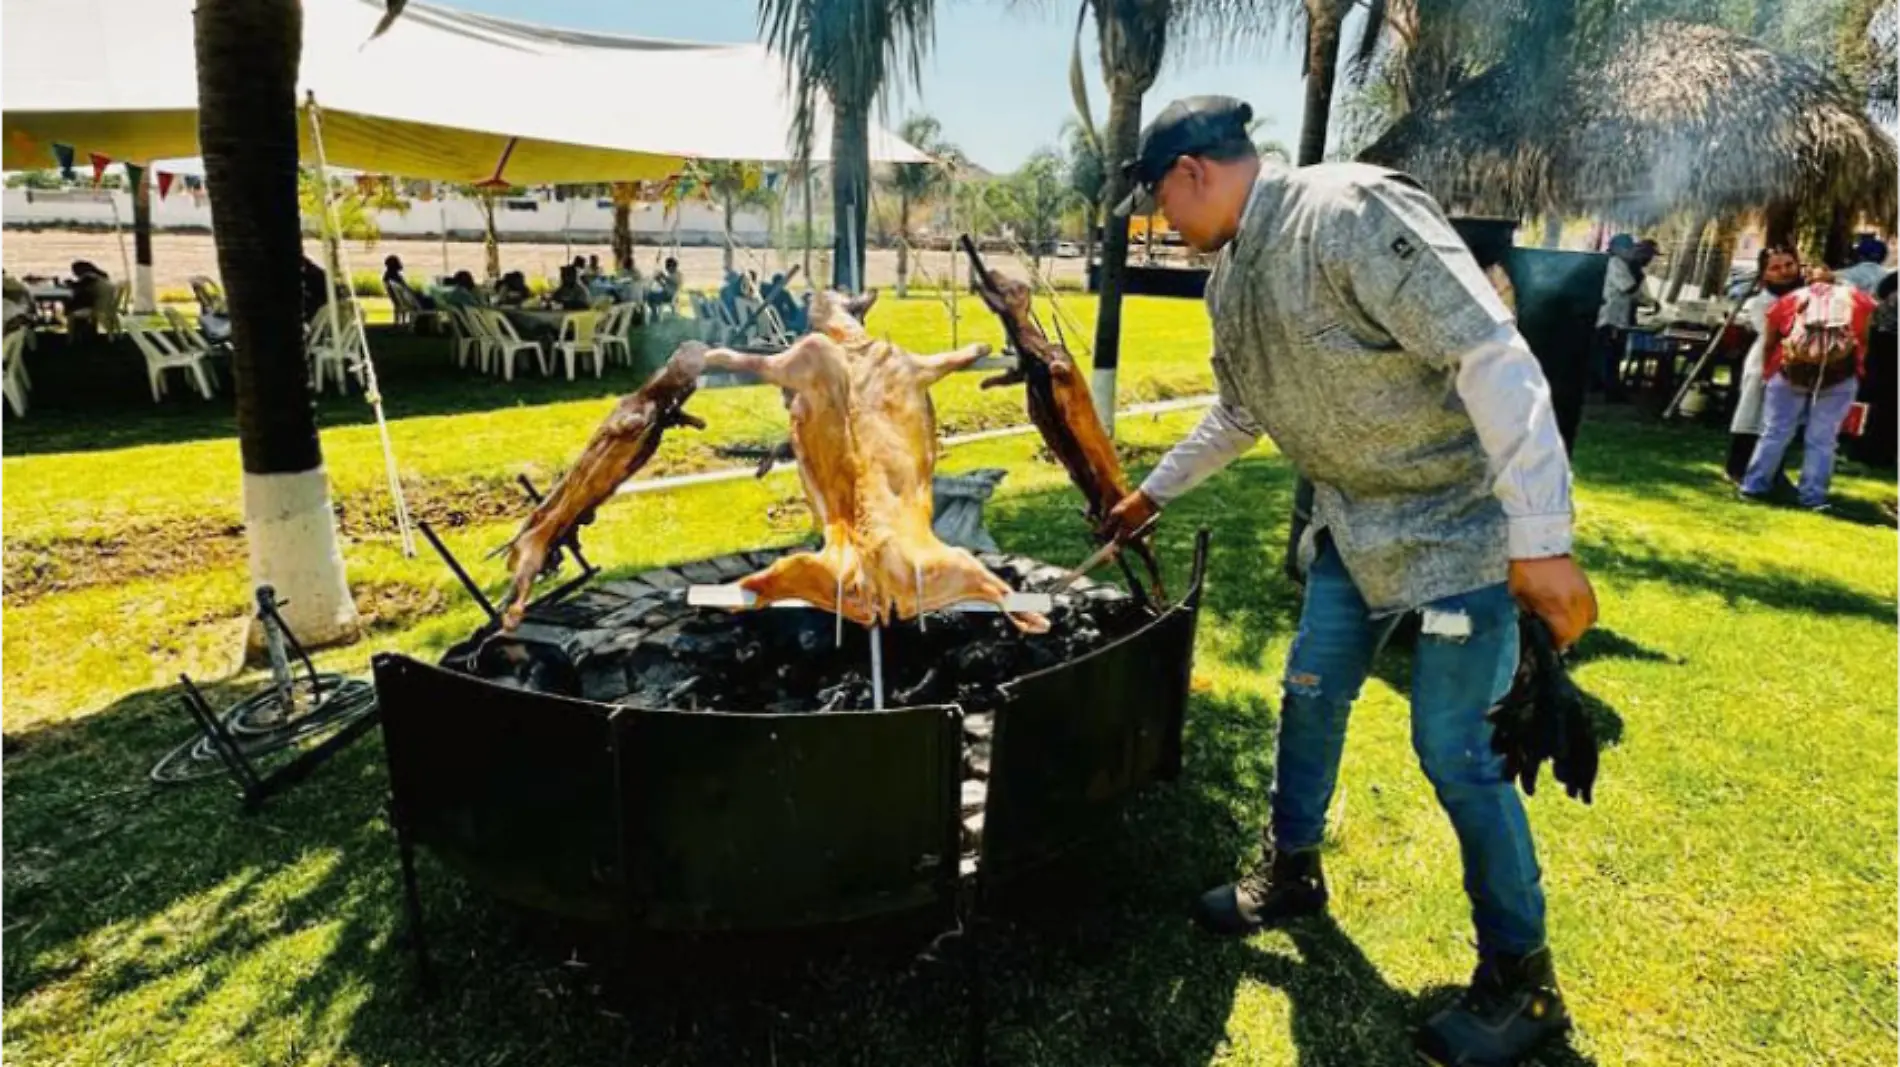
x,y
627,758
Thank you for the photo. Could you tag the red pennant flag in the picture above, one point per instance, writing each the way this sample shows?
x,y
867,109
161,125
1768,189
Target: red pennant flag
x,y
99,165
164,183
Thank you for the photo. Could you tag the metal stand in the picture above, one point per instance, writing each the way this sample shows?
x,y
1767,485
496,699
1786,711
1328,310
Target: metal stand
x,y
269,721
570,544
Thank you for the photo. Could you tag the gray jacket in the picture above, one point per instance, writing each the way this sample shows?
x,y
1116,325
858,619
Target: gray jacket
x,y
1352,326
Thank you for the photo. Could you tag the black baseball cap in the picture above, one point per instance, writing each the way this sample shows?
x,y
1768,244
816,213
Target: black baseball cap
x,y
1190,126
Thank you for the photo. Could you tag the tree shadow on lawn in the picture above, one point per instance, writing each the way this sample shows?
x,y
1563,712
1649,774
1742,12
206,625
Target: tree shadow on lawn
x,y
123,892
95,397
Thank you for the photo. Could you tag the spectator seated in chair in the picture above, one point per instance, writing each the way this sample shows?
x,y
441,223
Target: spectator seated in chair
x,y
571,295
393,280
512,290
94,302
461,292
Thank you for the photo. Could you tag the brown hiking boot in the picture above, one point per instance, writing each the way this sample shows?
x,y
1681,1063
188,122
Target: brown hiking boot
x,y
1283,887
1512,1009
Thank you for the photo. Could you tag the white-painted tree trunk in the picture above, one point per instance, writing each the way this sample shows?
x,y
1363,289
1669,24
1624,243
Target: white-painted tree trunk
x,y
144,290
1102,386
292,535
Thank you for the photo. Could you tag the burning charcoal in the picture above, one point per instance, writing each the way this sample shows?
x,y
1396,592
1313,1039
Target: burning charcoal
x,y
732,568
703,572
604,682
973,831
925,691
628,588
1043,576
976,761
664,579
629,614
979,726
974,793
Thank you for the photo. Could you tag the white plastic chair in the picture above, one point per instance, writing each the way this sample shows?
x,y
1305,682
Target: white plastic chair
x,y
502,344
578,332
338,361
13,375
467,335
772,328
610,337
164,354
192,337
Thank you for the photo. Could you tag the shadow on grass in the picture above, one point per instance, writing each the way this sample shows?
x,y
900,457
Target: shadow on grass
x,y
169,911
95,397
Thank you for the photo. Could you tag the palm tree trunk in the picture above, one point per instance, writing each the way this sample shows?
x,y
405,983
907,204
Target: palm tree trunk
x,y
623,233
1322,66
903,245
247,53
1123,134
810,234
1685,256
1091,218
491,241
1779,223
144,295
850,193
725,200
1721,253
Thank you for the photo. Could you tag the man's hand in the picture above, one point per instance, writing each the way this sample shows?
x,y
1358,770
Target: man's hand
x,y
1556,591
1128,516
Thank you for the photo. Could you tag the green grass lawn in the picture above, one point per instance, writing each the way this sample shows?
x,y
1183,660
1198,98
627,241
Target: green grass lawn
x,y
1730,899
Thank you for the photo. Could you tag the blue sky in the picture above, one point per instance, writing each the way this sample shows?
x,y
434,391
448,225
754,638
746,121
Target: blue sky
x,y
997,79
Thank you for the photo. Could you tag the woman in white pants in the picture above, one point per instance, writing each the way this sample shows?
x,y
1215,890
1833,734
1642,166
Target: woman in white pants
x,y
1777,272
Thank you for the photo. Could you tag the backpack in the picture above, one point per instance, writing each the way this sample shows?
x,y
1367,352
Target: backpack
x,y
1820,343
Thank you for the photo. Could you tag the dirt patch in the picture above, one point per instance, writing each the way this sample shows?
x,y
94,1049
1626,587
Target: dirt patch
x,y
385,606
38,567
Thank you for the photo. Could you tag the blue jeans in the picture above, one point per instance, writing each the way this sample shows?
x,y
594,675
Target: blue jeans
x,y
1784,404
1455,681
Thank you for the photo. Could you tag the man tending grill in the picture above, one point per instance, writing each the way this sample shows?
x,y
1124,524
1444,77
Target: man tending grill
x,y
1353,327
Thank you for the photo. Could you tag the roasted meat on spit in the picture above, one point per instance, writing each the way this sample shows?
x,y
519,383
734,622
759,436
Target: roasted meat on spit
x,y
865,436
619,448
1060,406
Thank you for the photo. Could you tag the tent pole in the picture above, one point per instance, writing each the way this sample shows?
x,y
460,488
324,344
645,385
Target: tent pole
x,y
956,293
371,392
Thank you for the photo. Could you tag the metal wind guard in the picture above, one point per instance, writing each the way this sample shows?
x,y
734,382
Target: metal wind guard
x,y
701,822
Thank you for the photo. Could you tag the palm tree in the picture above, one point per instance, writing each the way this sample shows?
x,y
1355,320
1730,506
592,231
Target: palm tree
x,y
916,184
1088,178
1134,36
844,51
737,186
248,53
623,226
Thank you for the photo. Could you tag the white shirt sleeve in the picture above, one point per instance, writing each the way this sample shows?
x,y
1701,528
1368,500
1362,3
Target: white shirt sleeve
x,y
1222,435
1505,393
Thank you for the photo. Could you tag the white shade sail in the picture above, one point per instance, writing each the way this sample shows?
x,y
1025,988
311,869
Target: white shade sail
x,y
445,95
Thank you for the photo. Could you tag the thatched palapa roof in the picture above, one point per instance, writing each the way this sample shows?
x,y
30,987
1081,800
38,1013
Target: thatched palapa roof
x,y
1684,117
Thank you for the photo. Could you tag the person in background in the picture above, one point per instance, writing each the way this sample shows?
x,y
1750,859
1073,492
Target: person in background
x,y
593,269
571,295
670,277
393,280
1816,353
1778,273
1623,293
1880,386
1870,253
16,302
512,290
316,289
461,292
91,306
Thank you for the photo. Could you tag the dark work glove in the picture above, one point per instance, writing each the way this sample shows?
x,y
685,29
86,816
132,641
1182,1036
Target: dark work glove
x,y
1543,718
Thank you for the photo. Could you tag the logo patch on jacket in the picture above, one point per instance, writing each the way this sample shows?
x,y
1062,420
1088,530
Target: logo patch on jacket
x,y
1402,248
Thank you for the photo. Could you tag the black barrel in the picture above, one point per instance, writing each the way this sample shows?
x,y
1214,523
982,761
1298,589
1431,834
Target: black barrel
x,y
1558,295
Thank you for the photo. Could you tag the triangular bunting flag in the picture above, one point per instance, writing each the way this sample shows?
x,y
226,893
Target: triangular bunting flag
x,y
99,165
164,182
63,155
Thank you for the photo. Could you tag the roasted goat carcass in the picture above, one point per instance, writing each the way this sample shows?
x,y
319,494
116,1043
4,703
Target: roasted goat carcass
x,y
1060,406
865,436
619,448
